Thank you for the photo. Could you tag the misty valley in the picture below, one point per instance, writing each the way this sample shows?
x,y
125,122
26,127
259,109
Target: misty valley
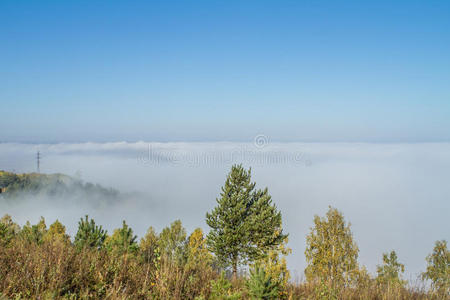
x,y
242,254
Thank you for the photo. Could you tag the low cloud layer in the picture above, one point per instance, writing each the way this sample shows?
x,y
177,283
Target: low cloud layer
x,y
396,196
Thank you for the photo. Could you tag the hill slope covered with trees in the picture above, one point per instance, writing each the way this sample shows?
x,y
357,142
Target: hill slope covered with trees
x,y
15,186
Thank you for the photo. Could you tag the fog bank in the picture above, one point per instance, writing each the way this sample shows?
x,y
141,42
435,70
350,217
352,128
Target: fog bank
x,y
395,195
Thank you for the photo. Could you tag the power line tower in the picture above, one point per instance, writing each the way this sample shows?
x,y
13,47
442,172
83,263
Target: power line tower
x,y
38,161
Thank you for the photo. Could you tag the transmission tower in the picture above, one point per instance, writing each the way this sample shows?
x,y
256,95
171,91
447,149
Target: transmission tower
x,y
38,161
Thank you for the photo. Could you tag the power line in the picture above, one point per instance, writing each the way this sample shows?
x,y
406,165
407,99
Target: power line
x,y
38,161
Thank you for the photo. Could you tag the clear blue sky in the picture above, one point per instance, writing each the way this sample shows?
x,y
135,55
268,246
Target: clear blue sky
x,y
376,71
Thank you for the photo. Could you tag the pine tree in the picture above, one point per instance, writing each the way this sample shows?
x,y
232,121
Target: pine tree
x,y
275,265
222,289
331,253
89,234
8,230
245,224
34,233
122,240
390,271
261,286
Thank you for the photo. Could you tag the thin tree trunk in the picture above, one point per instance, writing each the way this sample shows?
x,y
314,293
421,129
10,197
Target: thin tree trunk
x,y
234,270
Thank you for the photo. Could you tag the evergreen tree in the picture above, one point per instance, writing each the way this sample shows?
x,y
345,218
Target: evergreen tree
x,y
438,268
390,271
331,253
222,289
275,266
34,233
122,240
89,234
245,224
261,286
8,230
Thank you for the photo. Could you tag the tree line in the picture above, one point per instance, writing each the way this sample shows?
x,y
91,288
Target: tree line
x,y
243,256
14,186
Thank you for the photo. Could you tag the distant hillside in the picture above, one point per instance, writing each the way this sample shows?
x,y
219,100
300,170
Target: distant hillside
x,y
52,185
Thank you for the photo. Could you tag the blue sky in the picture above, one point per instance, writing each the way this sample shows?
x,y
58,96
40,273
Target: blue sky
x,y
225,70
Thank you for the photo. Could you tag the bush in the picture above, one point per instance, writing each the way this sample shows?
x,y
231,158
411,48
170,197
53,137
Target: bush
x,y
37,262
221,289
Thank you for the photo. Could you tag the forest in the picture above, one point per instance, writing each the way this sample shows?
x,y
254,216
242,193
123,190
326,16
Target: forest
x,y
15,185
242,255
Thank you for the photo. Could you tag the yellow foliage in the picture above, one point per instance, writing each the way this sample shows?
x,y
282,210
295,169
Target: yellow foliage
x,y
331,253
275,266
198,254
56,232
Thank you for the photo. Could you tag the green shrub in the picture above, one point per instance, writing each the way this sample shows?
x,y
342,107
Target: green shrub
x,y
221,289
